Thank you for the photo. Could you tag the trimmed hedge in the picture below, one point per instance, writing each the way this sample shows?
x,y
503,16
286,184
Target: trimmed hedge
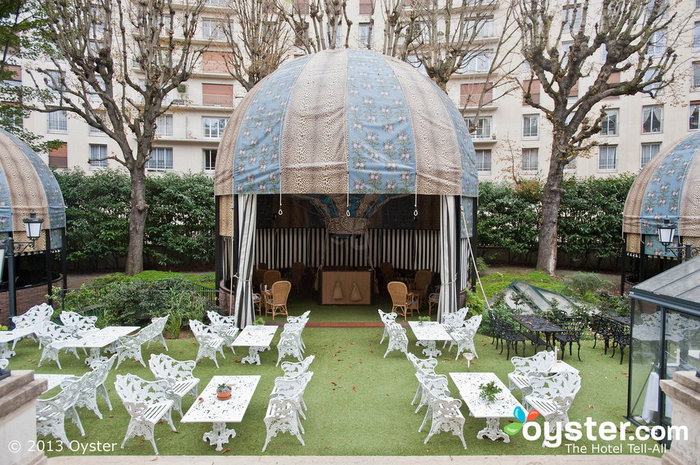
x,y
590,217
179,227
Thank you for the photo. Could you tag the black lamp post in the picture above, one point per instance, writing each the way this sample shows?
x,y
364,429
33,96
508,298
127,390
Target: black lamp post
x,y
667,232
9,247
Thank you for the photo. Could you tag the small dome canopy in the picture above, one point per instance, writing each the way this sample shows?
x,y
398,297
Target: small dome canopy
x,y
667,188
26,185
346,122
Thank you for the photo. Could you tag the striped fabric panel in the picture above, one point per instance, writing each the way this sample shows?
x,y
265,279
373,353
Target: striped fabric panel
x,y
405,249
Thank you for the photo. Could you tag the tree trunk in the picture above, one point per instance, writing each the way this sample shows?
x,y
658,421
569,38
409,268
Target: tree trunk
x,y
551,200
137,221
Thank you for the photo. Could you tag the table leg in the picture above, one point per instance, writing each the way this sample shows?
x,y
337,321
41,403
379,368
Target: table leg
x,y
430,349
253,355
94,358
493,430
5,352
219,435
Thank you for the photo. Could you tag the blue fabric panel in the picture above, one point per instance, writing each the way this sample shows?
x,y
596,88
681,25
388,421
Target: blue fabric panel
x,y
5,205
664,192
380,138
259,143
467,229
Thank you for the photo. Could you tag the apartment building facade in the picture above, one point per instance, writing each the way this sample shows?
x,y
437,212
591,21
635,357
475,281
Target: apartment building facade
x,y
511,138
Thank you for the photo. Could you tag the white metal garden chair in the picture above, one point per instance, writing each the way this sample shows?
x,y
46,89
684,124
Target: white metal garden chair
x,y
33,318
224,327
552,396
147,403
209,342
446,417
50,336
155,330
93,385
524,367
464,336
282,416
77,323
294,369
179,376
453,321
51,413
386,317
293,389
397,339
289,345
422,365
129,347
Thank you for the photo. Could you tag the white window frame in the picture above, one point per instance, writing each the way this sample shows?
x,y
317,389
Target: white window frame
x,y
482,126
696,34
527,160
567,12
529,134
695,76
477,64
607,149
213,127
164,126
365,35
206,153
657,43
211,29
161,159
649,111
694,120
605,124
57,124
481,159
101,160
642,161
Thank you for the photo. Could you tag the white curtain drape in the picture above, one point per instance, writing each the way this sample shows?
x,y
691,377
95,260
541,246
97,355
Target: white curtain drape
x,y
448,260
247,212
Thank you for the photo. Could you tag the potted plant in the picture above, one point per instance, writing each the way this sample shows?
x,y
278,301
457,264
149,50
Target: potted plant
x,y
223,392
422,319
489,391
259,321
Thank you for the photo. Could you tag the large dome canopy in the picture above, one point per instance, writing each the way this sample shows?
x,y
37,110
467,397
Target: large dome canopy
x,y
26,185
667,188
346,122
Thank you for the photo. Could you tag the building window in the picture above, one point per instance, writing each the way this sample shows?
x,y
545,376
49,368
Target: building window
x,y
164,126
608,125
473,95
213,128
366,35
694,120
480,28
475,64
531,125
657,43
696,36
571,16
571,166
366,7
479,128
211,29
696,74
653,88
533,87
58,157
217,94
161,159
58,122
530,160
652,118
339,36
483,160
607,157
209,159
98,155
648,152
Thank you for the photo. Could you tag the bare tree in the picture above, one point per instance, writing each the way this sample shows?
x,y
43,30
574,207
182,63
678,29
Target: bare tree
x,y
116,63
326,17
636,40
256,39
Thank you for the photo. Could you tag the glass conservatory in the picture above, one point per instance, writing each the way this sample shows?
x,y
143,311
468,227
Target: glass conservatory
x,y
665,339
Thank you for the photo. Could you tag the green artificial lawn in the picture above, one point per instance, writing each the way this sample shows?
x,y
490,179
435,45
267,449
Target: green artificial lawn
x,y
497,280
358,401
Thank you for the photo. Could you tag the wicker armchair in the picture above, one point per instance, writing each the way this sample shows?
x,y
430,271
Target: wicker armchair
x,y
402,301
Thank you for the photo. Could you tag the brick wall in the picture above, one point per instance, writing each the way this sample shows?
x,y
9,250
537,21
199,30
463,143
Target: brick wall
x,y
26,298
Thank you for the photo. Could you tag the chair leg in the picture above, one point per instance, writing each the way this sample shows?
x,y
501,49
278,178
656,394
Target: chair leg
x,y
622,353
595,339
563,350
579,351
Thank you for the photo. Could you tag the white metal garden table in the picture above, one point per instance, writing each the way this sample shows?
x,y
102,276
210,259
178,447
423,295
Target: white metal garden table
x,y
430,332
96,340
469,386
209,409
53,380
10,336
257,338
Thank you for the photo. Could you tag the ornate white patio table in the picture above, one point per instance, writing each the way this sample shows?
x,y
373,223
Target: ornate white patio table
x,y
469,386
257,338
208,408
96,340
9,336
429,332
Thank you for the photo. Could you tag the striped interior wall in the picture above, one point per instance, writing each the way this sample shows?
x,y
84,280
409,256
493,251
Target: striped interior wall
x,y
404,249
464,262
